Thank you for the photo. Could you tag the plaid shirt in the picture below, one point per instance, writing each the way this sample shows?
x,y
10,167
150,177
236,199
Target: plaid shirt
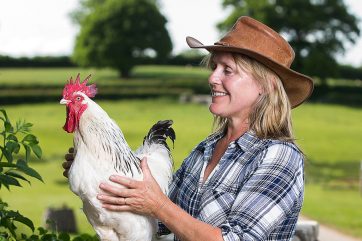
x,y
254,193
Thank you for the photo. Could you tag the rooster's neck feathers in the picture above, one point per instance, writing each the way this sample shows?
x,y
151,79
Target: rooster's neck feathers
x,y
108,142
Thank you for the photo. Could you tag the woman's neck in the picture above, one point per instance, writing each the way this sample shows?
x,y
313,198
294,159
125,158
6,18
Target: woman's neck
x,y
235,129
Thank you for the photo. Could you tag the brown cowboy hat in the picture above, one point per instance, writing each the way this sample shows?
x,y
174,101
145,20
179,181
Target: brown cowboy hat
x,y
258,41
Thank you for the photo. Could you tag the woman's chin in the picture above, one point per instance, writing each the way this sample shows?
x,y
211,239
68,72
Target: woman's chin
x,y
216,109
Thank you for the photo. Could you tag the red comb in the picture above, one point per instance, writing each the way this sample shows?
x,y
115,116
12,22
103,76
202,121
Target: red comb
x,y
75,86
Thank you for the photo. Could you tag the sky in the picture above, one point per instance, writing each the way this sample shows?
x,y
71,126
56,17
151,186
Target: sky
x,y
44,28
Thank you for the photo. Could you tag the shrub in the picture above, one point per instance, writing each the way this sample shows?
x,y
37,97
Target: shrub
x,y
14,168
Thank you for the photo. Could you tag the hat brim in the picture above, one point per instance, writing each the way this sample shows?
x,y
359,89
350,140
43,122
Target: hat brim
x,y
298,87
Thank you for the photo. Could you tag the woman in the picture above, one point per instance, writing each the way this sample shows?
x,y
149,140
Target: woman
x,y
244,181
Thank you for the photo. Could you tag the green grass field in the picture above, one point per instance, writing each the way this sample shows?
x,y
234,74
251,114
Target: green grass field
x,y
329,135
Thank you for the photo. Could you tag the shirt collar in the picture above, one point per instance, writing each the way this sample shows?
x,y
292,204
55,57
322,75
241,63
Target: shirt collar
x,y
209,141
245,141
248,140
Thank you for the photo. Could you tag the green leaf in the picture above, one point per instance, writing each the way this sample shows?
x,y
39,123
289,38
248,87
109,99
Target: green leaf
x,y
8,180
64,237
27,125
5,115
5,164
27,151
30,138
12,147
49,237
10,226
36,149
42,230
7,154
23,127
16,216
8,126
23,166
85,237
12,137
3,205
17,149
4,236
33,237
16,175
24,220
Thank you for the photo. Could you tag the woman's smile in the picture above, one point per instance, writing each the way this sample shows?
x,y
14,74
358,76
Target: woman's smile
x,y
218,93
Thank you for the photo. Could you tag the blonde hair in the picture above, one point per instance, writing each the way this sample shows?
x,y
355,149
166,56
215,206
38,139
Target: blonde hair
x,y
270,117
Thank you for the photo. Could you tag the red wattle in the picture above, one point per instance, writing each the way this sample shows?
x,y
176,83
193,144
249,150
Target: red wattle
x,y
71,120
74,113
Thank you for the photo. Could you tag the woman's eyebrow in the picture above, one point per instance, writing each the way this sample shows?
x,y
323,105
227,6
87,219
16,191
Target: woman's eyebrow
x,y
222,62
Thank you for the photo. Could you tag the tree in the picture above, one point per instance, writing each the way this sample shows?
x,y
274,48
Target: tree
x,y
119,34
316,29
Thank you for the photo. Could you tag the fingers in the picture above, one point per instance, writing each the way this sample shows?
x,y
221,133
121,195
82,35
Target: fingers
x,y
65,173
117,207
66,164
127,182
144,165
112,200
116,191
118,203
147,175
69,157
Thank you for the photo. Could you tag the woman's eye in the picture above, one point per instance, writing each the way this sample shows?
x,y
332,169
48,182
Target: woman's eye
x,y
228,71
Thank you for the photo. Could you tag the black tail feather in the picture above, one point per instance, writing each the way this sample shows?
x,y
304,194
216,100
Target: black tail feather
x,y
159,133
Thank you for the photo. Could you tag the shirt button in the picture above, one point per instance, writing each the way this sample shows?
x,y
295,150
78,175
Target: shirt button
x,y
232,145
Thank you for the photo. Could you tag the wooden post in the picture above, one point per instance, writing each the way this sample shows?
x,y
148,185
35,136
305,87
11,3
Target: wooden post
x,y
60,220
306,230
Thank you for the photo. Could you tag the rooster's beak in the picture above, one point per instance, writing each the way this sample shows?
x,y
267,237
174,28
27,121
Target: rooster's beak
x,y
64,101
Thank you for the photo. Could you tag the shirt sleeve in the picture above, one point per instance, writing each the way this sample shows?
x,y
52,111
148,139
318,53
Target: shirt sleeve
x,y
268,196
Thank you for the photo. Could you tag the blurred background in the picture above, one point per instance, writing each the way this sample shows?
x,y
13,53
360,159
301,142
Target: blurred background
x,y
137,55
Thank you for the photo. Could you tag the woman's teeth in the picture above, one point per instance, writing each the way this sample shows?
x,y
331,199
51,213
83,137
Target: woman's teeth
x,y
218,94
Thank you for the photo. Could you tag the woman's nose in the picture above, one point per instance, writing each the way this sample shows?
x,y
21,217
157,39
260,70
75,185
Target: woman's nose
x,y
214,78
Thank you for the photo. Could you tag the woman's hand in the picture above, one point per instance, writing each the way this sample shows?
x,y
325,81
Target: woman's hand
x,y
143,197
69,158
146,198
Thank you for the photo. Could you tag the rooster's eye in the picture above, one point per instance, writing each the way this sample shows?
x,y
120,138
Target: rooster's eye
x,y
78,98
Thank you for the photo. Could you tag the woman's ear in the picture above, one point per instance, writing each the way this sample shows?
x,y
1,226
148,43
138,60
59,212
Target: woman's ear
x,y
260,89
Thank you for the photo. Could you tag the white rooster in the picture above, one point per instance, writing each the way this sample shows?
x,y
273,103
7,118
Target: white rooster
x,y
101,151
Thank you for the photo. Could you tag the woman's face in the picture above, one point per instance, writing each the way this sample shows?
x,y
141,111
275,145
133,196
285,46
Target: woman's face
x,y
233,90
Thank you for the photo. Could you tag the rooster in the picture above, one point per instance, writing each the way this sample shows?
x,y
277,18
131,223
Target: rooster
x,y
101,151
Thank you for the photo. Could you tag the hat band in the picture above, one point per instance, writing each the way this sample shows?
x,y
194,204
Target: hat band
x,y
223,44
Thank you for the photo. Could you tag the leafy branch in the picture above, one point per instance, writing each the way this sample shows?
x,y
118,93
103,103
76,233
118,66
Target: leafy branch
x,y
14,168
